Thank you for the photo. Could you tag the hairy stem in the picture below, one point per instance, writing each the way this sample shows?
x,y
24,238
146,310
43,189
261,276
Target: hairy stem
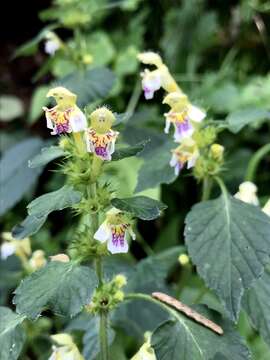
x,y
92,193
103,335
254,162
207,187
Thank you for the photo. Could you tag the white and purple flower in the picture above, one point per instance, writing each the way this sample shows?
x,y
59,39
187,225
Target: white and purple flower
x,y
103,145
52,43
65,117
115,230
151,82
183,121
185,154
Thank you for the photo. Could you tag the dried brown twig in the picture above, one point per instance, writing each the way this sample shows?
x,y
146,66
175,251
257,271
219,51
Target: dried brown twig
x,y
178,305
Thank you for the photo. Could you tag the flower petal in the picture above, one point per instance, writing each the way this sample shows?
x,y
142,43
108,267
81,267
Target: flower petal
x,y
266,208
192,161
78,121
118,245
183,130
167,126
103,233
7,249
196,114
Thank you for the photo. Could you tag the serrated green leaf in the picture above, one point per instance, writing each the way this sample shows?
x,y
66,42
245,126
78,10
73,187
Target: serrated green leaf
x,y
62,287
91,343
56,200
142,207
156,169
29,226
11,108
239,119
90,85
11,272
256,304
47,154
124,152
229,242
12,336
182,338
15,176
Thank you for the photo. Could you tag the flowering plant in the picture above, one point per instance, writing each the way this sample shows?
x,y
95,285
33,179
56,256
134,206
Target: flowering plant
x,y
150,239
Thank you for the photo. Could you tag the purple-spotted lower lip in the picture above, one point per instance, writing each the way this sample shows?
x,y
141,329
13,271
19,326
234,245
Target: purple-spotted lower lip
x,y
147,90
118,240
62,128
101,151
184,126
179,166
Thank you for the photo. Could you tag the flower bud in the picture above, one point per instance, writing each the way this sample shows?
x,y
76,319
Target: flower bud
x,y
60,257
120,281
146,352
150,58
87,59
183,259
119,296
248,193
217,151
37,260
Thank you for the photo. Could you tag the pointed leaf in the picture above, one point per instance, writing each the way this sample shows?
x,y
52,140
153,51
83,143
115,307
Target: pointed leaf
x,y
63,287
240,118
90,85
182,338
142,207
229,242
257,305
156,169
11,334
56,200
121,153
47,154
15,176
29,226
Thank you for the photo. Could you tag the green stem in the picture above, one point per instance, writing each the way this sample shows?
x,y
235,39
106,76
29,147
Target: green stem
x,y
184,279
221,184
254,162
139,296
92,193
133,101
103,335
207,186
96,167
99,270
